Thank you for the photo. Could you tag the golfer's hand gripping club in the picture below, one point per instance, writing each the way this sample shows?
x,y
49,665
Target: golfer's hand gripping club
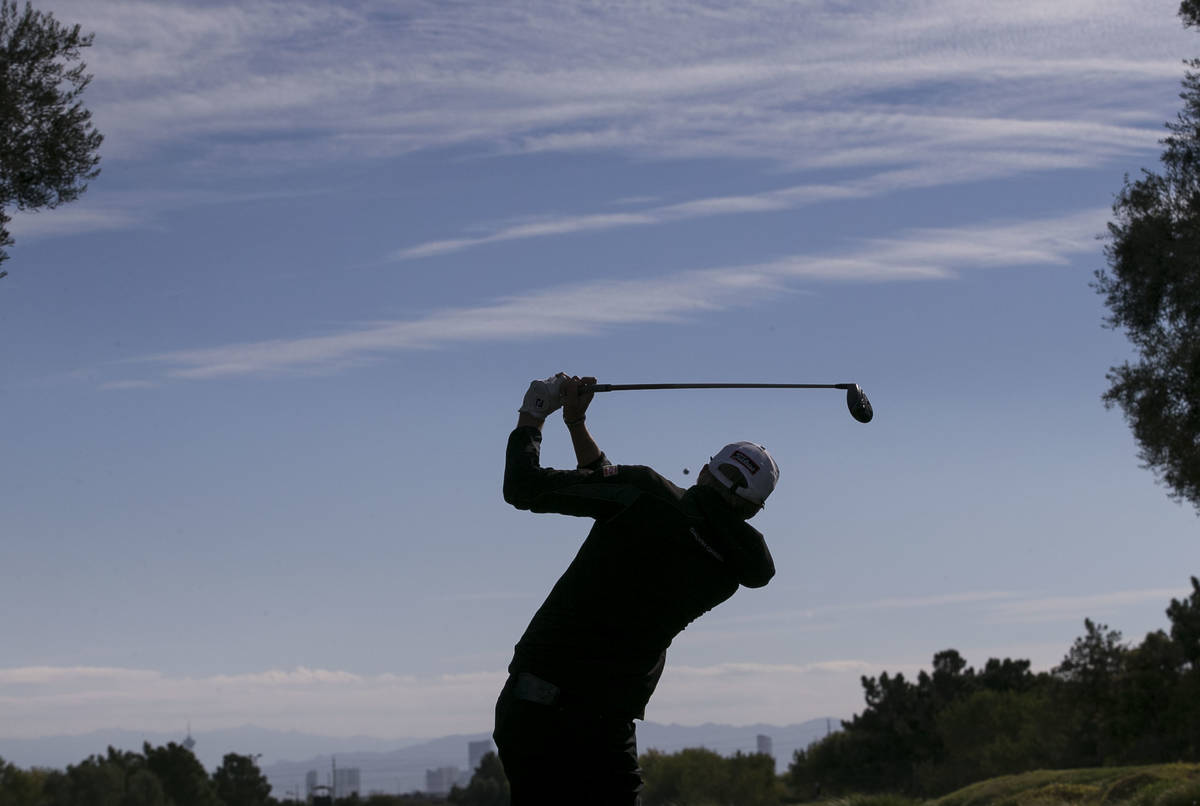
x,y
576,397
544,397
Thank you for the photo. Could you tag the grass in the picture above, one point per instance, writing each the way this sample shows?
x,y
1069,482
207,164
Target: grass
x,y
1155,785
872,800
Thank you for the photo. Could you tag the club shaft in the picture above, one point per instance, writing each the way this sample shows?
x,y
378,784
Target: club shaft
x,y
622,387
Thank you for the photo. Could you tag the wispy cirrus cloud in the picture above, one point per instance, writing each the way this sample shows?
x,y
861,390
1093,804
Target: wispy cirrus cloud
x,y
1003,607
76,220
49,675
44,701
41,701
747,692
802,85
553,312
826,613
767,201
125,385
1077,608
100,210
982,166
590,308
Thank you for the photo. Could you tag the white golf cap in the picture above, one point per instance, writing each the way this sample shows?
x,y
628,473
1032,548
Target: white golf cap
x,y
756,465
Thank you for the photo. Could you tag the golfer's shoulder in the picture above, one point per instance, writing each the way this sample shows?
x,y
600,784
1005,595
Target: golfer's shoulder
x,y
645,479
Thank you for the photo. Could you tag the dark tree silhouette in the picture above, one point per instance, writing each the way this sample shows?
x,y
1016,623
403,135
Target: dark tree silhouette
x,y
239,782
48,145
1152,290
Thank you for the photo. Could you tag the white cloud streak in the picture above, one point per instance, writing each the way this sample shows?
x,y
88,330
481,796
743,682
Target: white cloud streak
x,y
124,385
1077,608
44,701
743,693
993,607
984,166
247,85
73,220
99,210
587,309
769,201
933,601
41,701
48,700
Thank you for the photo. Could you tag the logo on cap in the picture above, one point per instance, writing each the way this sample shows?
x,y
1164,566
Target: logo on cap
x,y
746,462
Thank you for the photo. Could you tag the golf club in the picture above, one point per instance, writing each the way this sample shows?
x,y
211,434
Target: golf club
x,y
856,399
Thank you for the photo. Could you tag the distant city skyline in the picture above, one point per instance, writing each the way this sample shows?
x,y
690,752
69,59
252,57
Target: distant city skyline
x,y
294,762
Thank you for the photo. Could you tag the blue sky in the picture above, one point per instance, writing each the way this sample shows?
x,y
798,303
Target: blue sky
x,y
258,381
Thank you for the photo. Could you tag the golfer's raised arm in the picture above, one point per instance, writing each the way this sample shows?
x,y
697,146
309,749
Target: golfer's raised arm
x,y
575,405
528,485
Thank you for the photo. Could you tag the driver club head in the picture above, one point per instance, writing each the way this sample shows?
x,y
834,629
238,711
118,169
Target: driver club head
x,y
860,407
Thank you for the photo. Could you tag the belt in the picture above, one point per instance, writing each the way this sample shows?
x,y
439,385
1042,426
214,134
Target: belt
x,y
531,688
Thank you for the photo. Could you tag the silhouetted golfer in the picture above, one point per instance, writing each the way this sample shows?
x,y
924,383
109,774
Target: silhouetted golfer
x,y
657,558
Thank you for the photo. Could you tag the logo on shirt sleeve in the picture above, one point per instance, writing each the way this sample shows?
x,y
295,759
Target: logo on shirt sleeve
x,y
610,470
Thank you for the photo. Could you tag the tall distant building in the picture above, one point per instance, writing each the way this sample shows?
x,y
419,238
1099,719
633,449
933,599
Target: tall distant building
x,y
475,753
189,742
347,782
439,781
310,783
765,745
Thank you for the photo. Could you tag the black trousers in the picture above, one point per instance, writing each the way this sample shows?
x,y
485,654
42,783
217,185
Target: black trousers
x,y
555,755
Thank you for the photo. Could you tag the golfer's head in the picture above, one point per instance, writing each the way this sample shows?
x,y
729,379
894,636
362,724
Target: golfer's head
x,y
746,473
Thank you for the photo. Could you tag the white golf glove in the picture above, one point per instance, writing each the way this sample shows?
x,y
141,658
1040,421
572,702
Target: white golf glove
x,y
543,397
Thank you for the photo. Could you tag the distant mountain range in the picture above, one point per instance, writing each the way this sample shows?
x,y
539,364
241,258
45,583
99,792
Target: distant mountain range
x,y
386,765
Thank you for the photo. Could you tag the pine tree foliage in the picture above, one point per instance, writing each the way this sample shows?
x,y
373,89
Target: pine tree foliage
x,y
1152,290
48,145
